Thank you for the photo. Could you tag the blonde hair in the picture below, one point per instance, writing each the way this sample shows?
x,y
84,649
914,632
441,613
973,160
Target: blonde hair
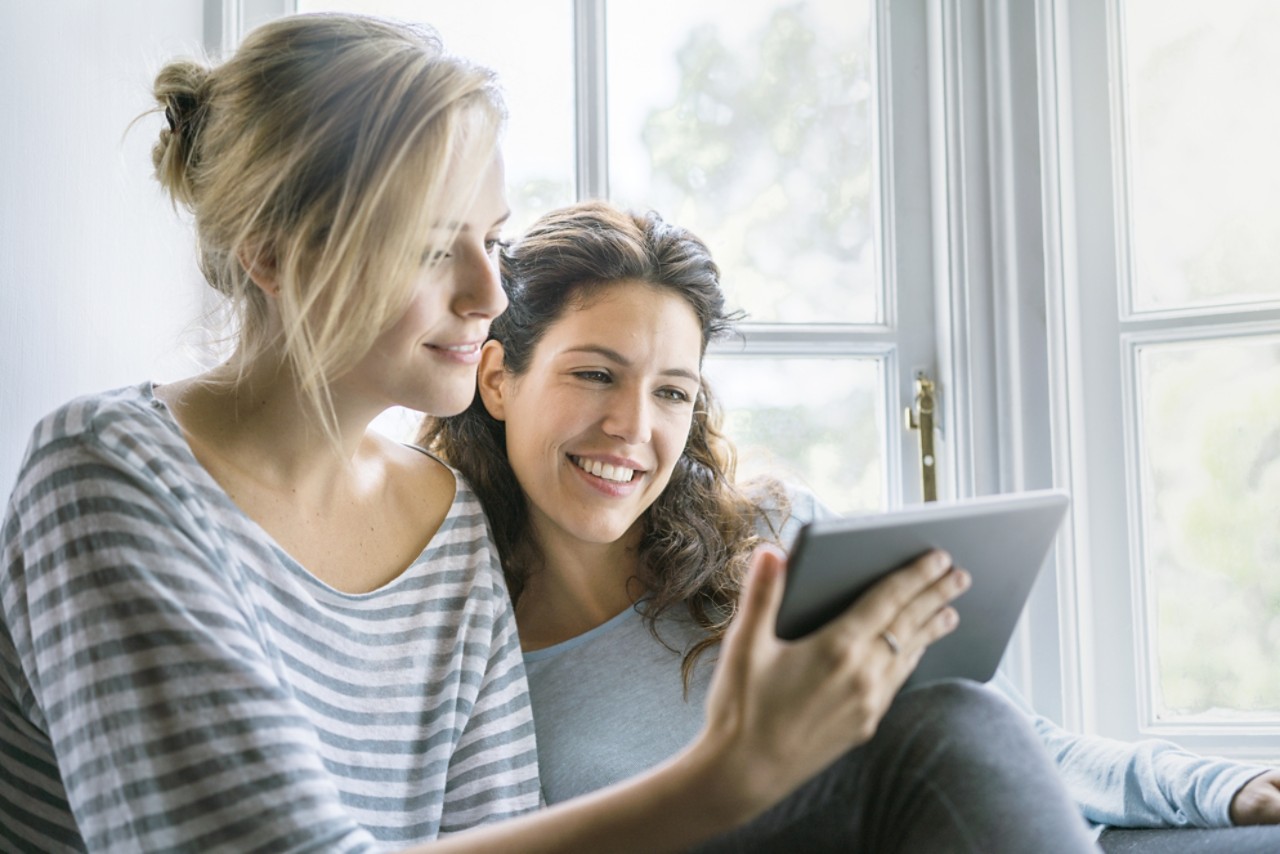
x,y
320,152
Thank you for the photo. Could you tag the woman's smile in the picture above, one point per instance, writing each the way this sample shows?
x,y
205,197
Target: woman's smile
x,y
611,479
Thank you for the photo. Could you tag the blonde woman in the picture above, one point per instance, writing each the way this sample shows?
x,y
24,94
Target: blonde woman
x,y
235,618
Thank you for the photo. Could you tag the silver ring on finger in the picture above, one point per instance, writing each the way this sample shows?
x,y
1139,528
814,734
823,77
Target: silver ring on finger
x,y
891,640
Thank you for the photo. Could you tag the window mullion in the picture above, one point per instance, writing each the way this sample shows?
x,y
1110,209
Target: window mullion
x,y
222,27
591,99
227,21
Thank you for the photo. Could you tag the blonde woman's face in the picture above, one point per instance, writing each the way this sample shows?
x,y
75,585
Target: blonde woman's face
x,y
596,424
427,360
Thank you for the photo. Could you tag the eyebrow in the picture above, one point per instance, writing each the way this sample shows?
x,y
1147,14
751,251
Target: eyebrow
x,y
464,227
615,356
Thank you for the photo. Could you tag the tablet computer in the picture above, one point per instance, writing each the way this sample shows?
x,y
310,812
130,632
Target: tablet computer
x,y
1002,540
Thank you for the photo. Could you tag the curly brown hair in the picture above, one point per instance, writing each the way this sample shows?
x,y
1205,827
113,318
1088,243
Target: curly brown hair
x,y
699,533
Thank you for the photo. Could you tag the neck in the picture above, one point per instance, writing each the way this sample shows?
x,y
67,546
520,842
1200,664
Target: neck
x,y
577,587
260,423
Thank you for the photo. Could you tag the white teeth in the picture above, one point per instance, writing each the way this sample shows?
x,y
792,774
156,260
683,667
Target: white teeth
x,y
462,348
618,474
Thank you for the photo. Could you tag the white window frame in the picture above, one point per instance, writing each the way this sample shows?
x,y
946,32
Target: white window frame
x,y
1028,191
1096,337
992,299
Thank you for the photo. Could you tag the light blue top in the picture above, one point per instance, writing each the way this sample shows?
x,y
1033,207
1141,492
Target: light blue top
x,y
610,703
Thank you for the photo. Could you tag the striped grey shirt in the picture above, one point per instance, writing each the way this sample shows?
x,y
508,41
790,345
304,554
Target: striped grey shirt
x,y
171,679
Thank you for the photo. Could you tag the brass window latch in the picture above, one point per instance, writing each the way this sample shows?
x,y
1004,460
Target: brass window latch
x,y
920,418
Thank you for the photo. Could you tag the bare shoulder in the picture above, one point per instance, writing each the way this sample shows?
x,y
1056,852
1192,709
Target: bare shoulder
x,y
415,476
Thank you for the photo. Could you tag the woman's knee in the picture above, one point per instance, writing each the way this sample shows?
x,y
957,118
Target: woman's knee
x,y
958,722
952,704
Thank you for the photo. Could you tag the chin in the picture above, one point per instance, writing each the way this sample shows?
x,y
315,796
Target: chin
x,y
602,535
445,406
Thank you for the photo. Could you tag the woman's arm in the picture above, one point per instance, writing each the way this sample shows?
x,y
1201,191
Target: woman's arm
x,y
1148,783
778,713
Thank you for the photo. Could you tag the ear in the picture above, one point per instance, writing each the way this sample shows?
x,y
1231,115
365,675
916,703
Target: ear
x,y
492,379
260,264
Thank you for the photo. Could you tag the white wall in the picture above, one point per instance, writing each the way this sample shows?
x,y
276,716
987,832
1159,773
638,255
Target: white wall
x,y
97,275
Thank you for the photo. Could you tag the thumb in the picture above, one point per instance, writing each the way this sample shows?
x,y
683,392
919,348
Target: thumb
x,y
761,595
748,636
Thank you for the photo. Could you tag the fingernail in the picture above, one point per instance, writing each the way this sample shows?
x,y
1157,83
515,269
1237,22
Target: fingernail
x,y
963,579
943,559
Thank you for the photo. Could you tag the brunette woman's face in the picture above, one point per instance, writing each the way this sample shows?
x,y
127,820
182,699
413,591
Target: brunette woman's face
x,y
596,424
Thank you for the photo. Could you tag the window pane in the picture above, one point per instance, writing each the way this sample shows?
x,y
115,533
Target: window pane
x,y
814,422
1205,178
1211,493
751,122
537,83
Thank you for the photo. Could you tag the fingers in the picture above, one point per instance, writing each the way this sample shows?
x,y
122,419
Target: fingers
x,y
903,663
879,606
927,617
883,602
912,606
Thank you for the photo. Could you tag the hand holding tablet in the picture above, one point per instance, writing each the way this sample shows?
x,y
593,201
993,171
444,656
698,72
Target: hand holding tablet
x,y
1001,540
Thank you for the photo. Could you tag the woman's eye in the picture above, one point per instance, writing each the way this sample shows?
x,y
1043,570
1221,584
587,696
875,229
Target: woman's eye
x,y
593,376
435,256
493,244
675,395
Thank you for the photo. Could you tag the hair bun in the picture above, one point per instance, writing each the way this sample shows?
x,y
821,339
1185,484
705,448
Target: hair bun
x,y
179,111
179,90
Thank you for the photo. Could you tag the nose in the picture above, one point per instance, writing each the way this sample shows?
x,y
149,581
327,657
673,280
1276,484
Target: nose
x,y
629,416
479,292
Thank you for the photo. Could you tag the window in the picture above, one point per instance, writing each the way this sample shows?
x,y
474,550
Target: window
x,y
1173,308
760,126
539,146
753,124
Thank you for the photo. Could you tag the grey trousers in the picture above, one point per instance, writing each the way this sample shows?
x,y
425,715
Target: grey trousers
x,y
953,767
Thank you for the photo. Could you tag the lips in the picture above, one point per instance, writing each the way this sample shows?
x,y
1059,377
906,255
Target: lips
x,y
465,353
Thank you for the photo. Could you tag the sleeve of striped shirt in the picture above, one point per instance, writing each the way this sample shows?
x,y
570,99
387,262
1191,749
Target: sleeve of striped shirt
x,y
137,662
497,740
